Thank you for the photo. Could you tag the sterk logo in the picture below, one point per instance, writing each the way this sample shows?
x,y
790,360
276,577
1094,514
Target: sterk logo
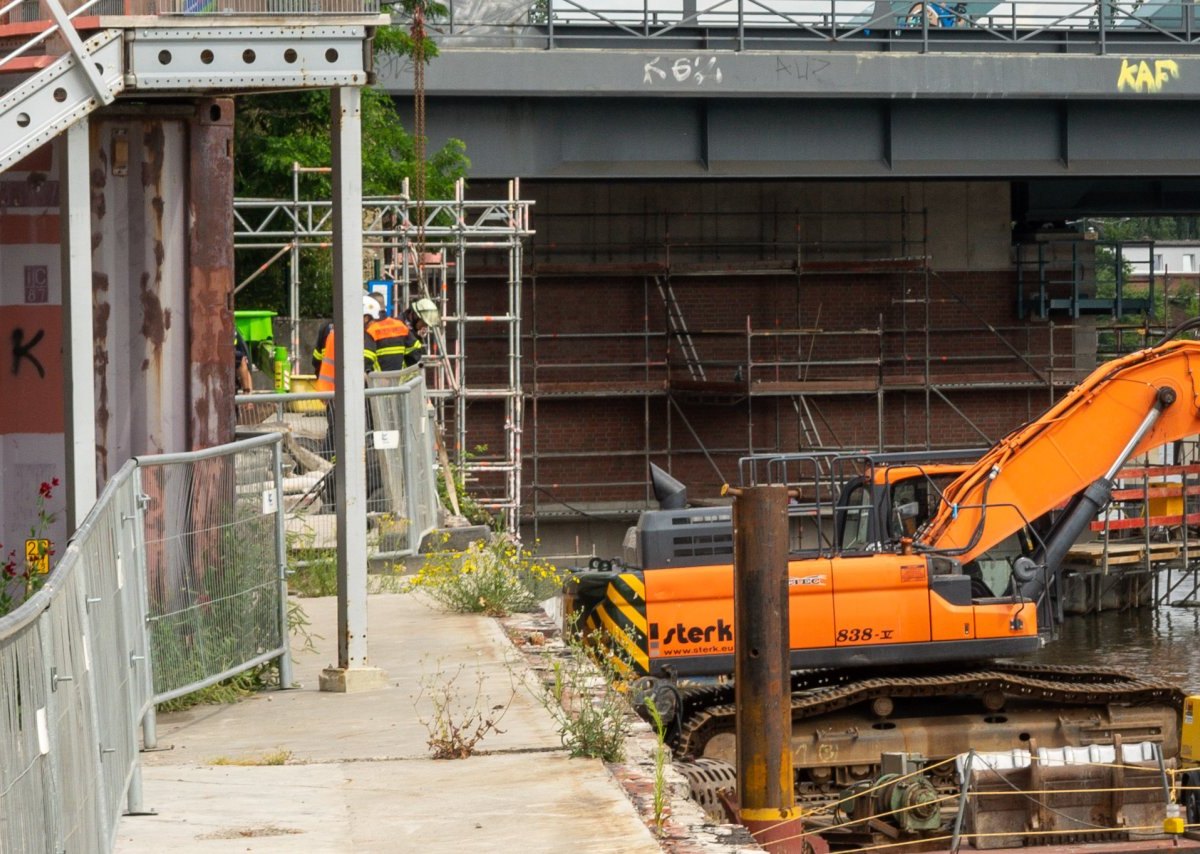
x,y
1137,76
681,634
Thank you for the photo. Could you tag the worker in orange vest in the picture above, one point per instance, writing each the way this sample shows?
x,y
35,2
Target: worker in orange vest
x,y
389,344
372,311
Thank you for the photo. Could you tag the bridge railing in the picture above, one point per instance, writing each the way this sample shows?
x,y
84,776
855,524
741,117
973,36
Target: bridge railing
x,y
18,11
1036,25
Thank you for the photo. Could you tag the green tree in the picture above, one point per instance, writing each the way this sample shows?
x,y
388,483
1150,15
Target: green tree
x,y
273,131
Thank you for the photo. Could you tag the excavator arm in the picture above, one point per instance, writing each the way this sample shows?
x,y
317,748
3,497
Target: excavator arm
x,y
1124,408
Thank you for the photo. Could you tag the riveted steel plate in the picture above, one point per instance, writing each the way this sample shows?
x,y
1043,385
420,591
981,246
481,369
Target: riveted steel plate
x,y
41,107
211,58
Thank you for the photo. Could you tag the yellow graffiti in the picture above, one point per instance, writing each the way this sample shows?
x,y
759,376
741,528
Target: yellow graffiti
x,y
1137,76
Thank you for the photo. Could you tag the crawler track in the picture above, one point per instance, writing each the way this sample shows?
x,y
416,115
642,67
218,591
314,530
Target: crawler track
x,y
709,710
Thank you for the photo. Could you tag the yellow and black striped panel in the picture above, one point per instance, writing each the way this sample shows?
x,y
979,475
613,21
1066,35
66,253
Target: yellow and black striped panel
x,y
621,617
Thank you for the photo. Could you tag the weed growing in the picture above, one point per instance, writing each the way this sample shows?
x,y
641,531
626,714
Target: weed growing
x,y
20,579
313,571
586,697
496,577
660,764
275,757
461,716
231,690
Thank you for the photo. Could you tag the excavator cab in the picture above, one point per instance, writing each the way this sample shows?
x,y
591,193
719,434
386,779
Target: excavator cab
x,y
885,498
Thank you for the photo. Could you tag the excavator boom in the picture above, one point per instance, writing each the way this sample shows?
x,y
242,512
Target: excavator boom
x,y
1126,407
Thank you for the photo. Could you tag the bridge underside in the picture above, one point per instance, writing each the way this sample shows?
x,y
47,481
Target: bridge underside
x,y
690,138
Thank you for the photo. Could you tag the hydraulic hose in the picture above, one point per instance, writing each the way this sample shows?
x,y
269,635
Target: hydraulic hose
x,y
1194,323
1085,506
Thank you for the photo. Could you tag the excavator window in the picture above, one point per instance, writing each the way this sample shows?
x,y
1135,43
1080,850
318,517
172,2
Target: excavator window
x,y
925,492
991,572
856,519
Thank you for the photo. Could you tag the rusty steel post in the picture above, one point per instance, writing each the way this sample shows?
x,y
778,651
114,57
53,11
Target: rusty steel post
x,y
210,277
766,790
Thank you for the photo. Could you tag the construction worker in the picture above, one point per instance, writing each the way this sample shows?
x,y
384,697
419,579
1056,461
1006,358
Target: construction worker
x,y
420,317
372,311
388,343
326,381
318,353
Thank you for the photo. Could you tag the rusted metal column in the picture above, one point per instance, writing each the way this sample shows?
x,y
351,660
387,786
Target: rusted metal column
x,y
766,791
210,277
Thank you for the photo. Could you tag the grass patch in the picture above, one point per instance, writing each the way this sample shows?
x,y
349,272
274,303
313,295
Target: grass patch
x,y
275,757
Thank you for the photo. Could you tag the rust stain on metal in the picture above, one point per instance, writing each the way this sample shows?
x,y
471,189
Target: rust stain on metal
x,y
154,323
210,292
101,311
101,307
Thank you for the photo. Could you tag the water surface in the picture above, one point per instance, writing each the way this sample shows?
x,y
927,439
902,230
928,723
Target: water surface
x,y
1162,643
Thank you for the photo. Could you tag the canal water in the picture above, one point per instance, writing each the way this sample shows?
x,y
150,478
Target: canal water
x,y
1154,643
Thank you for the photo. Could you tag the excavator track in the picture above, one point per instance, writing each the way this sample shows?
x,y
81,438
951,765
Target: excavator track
x,y
706,711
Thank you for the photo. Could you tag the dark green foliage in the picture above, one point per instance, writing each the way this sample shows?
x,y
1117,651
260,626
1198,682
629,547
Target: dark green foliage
x,y
274,131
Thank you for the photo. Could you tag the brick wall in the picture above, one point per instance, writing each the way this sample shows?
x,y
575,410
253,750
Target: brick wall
x,y
837,283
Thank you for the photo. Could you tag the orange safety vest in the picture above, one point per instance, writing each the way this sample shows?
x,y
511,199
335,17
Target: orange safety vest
x,y
325,377
387,344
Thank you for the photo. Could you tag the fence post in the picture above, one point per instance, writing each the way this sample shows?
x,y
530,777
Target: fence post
x,y
51,785
150,718
286,679
139,690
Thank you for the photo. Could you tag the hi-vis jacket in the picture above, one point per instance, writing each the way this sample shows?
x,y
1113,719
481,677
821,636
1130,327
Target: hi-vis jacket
x,y
388,345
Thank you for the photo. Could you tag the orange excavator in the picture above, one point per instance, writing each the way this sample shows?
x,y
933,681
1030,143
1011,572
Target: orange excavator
x,y
913,580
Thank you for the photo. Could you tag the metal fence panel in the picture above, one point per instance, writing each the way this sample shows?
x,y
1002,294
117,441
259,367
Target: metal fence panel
x,y
76,660
74,689
403,442
402,502
214,563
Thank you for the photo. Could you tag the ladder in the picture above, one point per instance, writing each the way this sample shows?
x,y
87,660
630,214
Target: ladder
x,y
808,424
679,328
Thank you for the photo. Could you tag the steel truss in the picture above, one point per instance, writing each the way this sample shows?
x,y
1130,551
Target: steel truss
x,y
424,257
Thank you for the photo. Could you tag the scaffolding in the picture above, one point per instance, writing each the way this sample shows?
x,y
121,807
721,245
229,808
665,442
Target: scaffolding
x,y
784,371
903,367
427,259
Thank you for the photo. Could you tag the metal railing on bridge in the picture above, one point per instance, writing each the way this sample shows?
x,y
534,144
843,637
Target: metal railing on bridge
x,y
1049,26
21,11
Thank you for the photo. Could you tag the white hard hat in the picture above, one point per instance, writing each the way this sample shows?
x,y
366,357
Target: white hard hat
x,y
427,310
371,307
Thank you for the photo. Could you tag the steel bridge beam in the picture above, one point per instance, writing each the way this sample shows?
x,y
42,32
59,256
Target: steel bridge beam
x,y
770,137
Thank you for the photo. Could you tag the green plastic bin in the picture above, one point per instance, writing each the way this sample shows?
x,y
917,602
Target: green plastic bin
x,y
255,325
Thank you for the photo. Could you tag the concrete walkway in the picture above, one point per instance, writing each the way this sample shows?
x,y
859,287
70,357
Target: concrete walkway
x,y
358,777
